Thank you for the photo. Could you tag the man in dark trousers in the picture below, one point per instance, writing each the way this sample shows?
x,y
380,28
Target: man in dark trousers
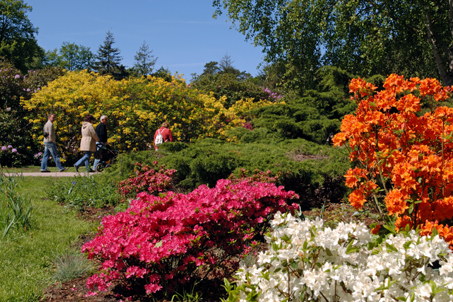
x,y
101,131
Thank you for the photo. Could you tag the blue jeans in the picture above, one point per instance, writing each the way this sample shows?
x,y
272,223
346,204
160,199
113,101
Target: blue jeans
x,y
97,161
86,159
50,149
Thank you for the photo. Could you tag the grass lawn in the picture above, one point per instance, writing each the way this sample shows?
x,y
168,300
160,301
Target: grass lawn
x,y
35,169
26,266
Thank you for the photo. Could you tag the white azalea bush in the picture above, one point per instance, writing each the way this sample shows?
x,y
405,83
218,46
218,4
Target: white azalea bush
x,y
309,262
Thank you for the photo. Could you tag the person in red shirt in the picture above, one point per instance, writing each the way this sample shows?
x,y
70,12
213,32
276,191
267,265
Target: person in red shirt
x,y
165,132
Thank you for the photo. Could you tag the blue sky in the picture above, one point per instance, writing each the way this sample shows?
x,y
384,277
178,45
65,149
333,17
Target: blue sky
x,y
182,33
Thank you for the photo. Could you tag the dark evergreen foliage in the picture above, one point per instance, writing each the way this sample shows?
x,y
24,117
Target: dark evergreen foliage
x,y
108,59
304,165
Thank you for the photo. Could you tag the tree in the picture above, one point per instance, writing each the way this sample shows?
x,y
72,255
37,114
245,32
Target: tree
x,y
17,34
70,57
144,60
108,59
226,67
211,68
163,73
361,36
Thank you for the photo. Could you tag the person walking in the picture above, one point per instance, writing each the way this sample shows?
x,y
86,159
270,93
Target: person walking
x,y
88,143
50,146
101,131
162,135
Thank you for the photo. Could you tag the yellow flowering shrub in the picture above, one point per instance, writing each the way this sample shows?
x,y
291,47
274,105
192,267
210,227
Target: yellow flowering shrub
x,y
242,106
135,108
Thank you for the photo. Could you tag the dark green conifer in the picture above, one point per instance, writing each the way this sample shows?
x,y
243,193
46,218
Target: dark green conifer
x,y
108,59
144,60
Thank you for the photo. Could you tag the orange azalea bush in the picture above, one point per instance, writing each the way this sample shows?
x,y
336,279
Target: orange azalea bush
x,y
404,157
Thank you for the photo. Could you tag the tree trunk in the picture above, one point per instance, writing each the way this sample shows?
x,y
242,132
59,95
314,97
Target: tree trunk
x,y
441,66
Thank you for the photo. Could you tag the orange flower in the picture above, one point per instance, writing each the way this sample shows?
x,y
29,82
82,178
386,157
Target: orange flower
x,y
357,199
396,202
442,94
443,113
361,86
429,87
443,208
394,83
409,103
339,139
353,176
385,100
376,229
445,232
402,221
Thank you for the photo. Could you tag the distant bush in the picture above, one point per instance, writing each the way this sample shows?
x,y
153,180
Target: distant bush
x,y
15,127
230,87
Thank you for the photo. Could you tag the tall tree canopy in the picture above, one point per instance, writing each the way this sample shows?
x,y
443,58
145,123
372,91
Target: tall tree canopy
x,y
17,35
70,57
364,37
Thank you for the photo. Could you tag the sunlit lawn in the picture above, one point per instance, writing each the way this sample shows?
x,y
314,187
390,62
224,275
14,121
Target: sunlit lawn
x,y
25,262
25,169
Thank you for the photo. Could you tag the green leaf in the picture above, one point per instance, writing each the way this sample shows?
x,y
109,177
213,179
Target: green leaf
x,y
329,252
434,233
391,247
407,244
350,249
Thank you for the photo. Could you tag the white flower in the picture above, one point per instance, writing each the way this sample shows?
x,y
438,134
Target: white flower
x,y
390,270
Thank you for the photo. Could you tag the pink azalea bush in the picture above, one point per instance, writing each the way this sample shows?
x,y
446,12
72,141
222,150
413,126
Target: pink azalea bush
x,y
152,179
162,241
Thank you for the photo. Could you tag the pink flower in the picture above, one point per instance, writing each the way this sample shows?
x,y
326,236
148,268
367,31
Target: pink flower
x,y
90,293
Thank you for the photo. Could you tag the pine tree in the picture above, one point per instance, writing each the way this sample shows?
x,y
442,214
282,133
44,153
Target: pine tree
x,y
108,59
144,60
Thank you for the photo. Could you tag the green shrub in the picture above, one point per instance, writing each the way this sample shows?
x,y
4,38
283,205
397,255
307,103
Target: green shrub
x,y
81,191
230,86
14,123
306,167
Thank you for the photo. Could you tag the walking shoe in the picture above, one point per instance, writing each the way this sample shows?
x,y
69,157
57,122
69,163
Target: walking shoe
x,y
64,169
76,168
91,171
45,171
